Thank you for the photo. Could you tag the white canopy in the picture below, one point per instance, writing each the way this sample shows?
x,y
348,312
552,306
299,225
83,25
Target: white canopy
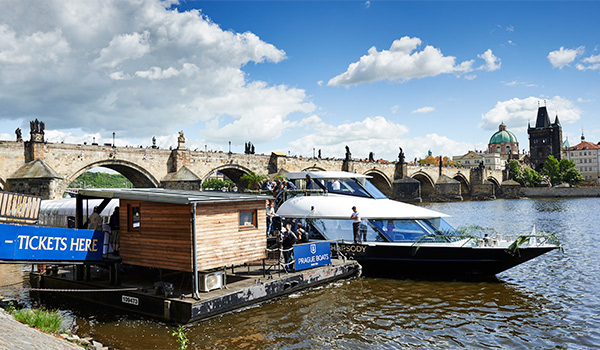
x,y
334,206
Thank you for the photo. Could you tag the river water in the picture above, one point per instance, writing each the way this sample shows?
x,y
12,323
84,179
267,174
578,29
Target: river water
x,y
551,302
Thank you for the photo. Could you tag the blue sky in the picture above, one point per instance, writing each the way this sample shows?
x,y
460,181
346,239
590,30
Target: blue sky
x,y
291,76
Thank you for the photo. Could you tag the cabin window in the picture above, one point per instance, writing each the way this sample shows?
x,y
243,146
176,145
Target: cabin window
x,y
247,219
134,217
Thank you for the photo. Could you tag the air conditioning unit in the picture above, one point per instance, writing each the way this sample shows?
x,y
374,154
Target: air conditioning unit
x,y
210,281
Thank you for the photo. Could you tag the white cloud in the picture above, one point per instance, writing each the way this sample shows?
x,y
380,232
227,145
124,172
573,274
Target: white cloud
x,y
367,4
395,109
424,110
563,57
377,135
400,63
492,62
516,113
591,63
518,83
135,67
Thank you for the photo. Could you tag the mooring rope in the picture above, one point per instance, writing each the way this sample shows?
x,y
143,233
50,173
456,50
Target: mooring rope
x,y
83,290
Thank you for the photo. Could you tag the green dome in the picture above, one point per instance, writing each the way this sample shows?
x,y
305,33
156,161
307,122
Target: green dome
x,y
503,136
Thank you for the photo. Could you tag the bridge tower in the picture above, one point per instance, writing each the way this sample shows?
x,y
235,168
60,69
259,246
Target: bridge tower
x,y
35,177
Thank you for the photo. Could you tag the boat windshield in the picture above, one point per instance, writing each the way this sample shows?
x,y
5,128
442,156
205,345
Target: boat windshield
x,y
352,187
373,230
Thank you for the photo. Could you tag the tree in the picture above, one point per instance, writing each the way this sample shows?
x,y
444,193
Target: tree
x,y
563,171
572,176
551,169
217,184
531,178
253,179
515,172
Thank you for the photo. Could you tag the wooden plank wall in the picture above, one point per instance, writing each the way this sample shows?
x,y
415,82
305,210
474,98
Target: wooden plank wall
x,y
220,240
164,239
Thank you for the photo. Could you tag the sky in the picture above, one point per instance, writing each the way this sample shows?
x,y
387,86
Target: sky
x,y
299,76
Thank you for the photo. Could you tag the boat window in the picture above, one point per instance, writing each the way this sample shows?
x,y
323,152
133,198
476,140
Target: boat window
x,y
374,191
247,219
134,216
343,186
401,230
342,229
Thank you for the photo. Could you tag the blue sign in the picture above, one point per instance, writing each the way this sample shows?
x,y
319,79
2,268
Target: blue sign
x,y
24,243
311,255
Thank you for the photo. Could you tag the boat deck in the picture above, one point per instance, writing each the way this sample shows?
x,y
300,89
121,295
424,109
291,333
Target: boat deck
x,y
140,293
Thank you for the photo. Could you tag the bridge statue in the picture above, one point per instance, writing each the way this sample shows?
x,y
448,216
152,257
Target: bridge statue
x,y
18,134
37,130
348,154
401,156
180,140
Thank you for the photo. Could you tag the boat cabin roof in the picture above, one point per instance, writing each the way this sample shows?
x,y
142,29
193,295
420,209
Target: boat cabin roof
x,y
325,175
334,206
170,196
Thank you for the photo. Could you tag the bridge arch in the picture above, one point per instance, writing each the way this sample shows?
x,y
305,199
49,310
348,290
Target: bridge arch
x,y
381,181
496,184
234,172
465,189
313,168
427,184
138,176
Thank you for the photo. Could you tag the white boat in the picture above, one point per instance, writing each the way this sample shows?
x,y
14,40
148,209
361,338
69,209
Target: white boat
x,y
399,239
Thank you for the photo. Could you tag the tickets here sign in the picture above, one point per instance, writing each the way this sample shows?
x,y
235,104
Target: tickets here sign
x,y
312,255
24,243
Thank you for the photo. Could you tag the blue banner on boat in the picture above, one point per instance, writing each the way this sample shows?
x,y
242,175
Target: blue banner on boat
x,y
35,243
311,255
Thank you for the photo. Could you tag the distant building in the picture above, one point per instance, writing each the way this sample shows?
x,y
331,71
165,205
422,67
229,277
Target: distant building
x,y
586,156
503,142
473,159
502,146
545,139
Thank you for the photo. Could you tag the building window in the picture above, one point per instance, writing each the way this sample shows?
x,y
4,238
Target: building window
x,y
134,215
247,219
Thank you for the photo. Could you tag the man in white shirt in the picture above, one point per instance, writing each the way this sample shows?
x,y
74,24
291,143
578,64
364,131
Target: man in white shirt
x,y
355,224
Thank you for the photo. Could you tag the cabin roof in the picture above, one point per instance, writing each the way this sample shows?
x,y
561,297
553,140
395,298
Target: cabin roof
x,y
171,196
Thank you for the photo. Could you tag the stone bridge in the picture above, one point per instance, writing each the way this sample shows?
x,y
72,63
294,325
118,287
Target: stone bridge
x,y
46,169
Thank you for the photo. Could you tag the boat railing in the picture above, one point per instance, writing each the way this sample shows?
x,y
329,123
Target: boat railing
x,y
278,253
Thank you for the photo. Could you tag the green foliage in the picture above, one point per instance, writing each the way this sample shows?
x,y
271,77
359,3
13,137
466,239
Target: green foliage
x,y
572,176
181,337
515,172
47,321
551,170
253,179
531,178
563,171
100,180
217,184
10,308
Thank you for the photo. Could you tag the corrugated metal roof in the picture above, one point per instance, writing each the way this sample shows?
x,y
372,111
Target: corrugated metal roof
x,y
171,196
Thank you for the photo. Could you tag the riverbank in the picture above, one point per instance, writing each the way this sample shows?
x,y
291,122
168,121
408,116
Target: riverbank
x,y
15,335
554,192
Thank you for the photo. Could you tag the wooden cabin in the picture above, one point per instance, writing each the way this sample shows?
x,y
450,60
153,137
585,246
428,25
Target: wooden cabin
x,y
158,226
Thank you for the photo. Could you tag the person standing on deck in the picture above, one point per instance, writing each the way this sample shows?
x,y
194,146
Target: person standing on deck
x,y
114,229
309,182
355,224
95,221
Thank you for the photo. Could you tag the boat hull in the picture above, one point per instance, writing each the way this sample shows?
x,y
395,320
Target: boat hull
x,y
438,262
